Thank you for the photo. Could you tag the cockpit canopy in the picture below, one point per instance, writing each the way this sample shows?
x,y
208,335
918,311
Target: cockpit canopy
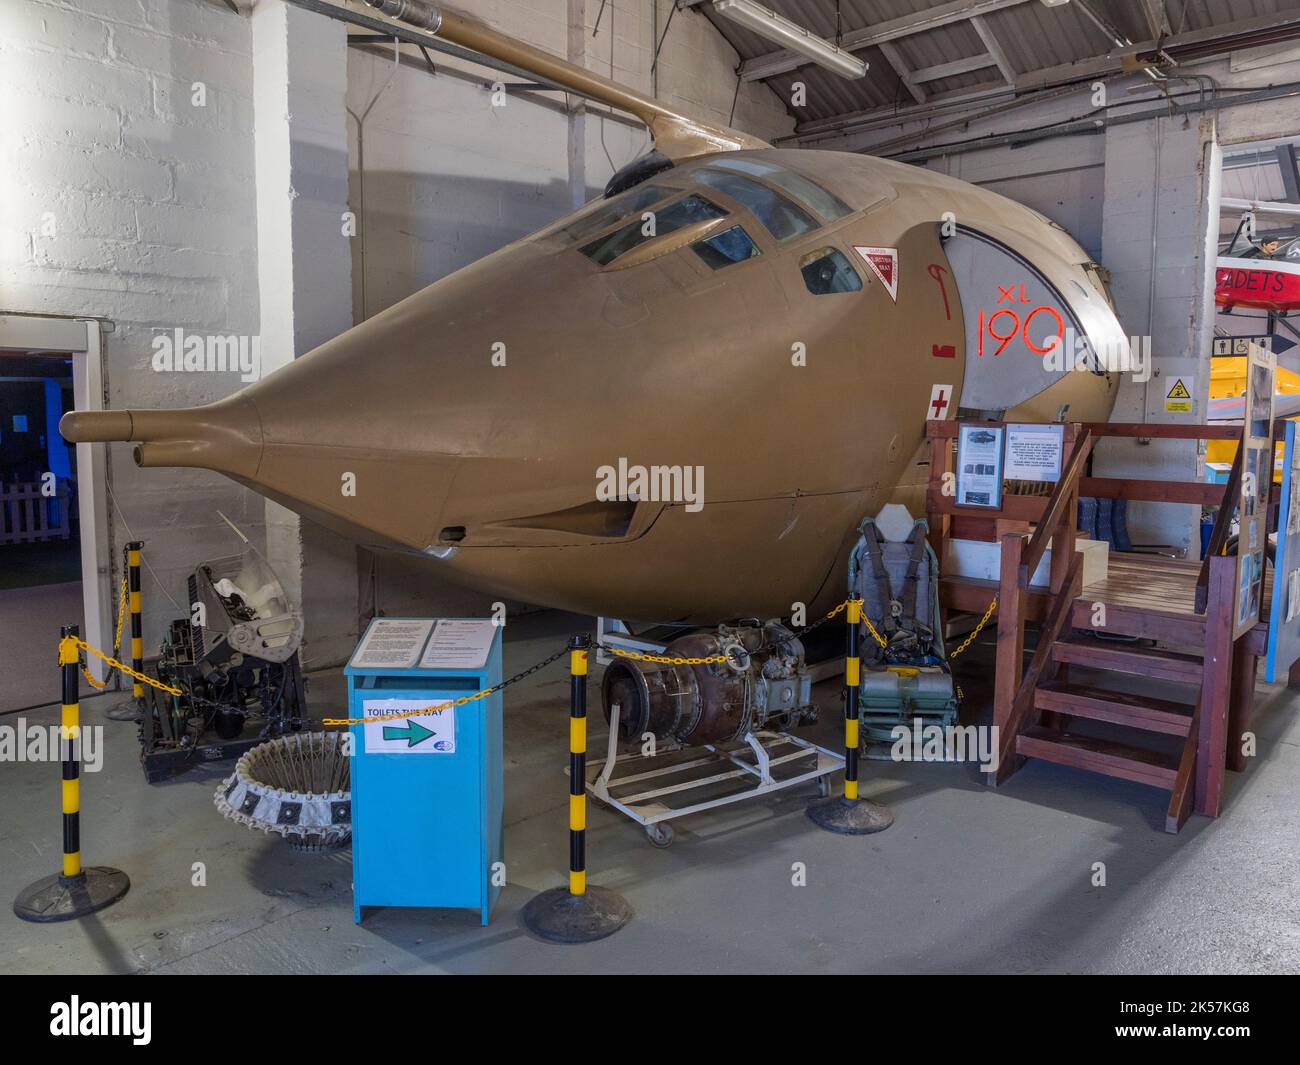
x,y
701,196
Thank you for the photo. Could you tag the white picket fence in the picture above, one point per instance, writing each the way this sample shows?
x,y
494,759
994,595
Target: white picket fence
x,y
27,515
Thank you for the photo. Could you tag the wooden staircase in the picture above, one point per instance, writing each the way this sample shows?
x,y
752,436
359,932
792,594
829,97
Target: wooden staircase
x,y
1061,703
1045,712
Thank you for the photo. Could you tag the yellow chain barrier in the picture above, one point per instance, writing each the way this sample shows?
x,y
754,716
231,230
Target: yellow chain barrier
x,y
124,668
872,629
117,639
397,714
976,630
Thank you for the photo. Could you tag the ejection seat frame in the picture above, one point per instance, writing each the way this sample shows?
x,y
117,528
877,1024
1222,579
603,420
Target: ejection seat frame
x,y
748,761
897,686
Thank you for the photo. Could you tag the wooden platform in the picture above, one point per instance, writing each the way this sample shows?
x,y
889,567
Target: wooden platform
x,y
1140,621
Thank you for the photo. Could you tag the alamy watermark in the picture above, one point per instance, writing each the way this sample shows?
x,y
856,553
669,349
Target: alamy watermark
x,y
21,742
654,484
920,742
181,352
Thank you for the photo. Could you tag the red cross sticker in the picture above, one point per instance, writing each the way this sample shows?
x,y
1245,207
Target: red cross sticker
x,y
939,400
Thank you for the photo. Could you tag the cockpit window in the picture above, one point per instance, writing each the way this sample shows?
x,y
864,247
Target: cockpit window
x,y
722,249
783,218
826,204
634,201
684,212
826,271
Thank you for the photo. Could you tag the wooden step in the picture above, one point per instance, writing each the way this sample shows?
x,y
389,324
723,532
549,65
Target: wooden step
x,y
1099,756
1121,708
1126,658
1125,619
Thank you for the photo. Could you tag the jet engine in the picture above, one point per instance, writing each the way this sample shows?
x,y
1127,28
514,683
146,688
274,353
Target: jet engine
x,y
762,684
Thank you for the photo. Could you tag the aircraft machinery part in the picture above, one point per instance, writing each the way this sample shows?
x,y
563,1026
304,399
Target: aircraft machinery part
x,y
297,786
763,685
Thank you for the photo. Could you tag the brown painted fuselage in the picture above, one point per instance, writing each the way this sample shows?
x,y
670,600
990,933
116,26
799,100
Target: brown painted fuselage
x,y
472,420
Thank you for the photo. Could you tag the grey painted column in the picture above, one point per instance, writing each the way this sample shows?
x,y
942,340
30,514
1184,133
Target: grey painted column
x,y
1159,241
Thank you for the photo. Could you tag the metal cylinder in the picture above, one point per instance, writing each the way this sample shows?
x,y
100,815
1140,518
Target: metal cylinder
x,y
690,703
418,13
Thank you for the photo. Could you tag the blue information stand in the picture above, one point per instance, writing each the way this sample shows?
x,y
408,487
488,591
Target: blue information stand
x,y
426,790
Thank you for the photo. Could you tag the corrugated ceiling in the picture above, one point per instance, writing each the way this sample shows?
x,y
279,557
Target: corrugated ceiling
x,y
1031,35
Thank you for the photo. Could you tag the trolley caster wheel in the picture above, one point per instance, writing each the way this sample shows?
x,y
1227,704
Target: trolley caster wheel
x,y
824,787
660,834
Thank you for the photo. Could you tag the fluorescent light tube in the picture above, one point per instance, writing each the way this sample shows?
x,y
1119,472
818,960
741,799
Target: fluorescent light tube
x,y
780,30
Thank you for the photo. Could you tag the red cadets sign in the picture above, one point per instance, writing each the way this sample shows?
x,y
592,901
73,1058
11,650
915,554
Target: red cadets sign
x,y
884,264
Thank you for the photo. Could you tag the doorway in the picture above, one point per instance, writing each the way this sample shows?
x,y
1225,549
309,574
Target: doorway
x,y
54,564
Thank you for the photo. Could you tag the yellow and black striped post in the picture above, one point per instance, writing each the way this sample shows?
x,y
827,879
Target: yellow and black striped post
x,y
134,605
577,767
852,698
75,891
581,912
69,749
131,709
850,815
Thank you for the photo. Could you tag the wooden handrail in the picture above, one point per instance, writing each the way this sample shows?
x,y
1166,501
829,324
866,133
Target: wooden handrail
x,y
1057,507
1222,523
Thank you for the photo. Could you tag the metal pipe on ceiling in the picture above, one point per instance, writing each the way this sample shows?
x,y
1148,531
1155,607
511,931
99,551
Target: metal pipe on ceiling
x,y
1287,210
1093,125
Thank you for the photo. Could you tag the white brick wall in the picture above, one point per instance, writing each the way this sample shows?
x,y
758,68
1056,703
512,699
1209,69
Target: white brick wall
x,y
155,224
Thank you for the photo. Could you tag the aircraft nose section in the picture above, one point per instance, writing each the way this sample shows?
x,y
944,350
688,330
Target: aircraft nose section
x,y
224,436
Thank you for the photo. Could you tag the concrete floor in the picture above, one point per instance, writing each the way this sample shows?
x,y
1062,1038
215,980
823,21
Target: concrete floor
x,y
30,619
967,879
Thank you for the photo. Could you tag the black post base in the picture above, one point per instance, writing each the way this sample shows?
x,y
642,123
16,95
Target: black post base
x,y
850,817
559,917
65,898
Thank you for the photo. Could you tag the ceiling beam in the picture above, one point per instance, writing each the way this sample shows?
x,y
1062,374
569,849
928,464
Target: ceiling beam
x,y
1197,44
1215,40
957,66
783,60
995,49
1157,18
895,59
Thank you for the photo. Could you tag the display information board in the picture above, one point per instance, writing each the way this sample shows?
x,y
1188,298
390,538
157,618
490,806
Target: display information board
x,y
1034,452
1256,477
392,643
979,466
459,644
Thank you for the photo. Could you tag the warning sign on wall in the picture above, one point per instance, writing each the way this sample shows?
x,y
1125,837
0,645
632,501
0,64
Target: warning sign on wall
x,y
1178,396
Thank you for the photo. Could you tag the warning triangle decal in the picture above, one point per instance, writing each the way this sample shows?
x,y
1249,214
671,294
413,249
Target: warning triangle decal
x,y
884,264
1179,391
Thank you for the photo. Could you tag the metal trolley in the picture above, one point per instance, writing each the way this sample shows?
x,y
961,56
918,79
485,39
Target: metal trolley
x,y
758,764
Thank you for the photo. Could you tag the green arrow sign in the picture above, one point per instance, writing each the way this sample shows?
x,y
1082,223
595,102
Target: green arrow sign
x,y
413,732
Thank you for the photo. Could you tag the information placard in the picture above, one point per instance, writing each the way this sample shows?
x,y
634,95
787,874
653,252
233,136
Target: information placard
x,y
979,466
433,733
458,644
1034,452
392,643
